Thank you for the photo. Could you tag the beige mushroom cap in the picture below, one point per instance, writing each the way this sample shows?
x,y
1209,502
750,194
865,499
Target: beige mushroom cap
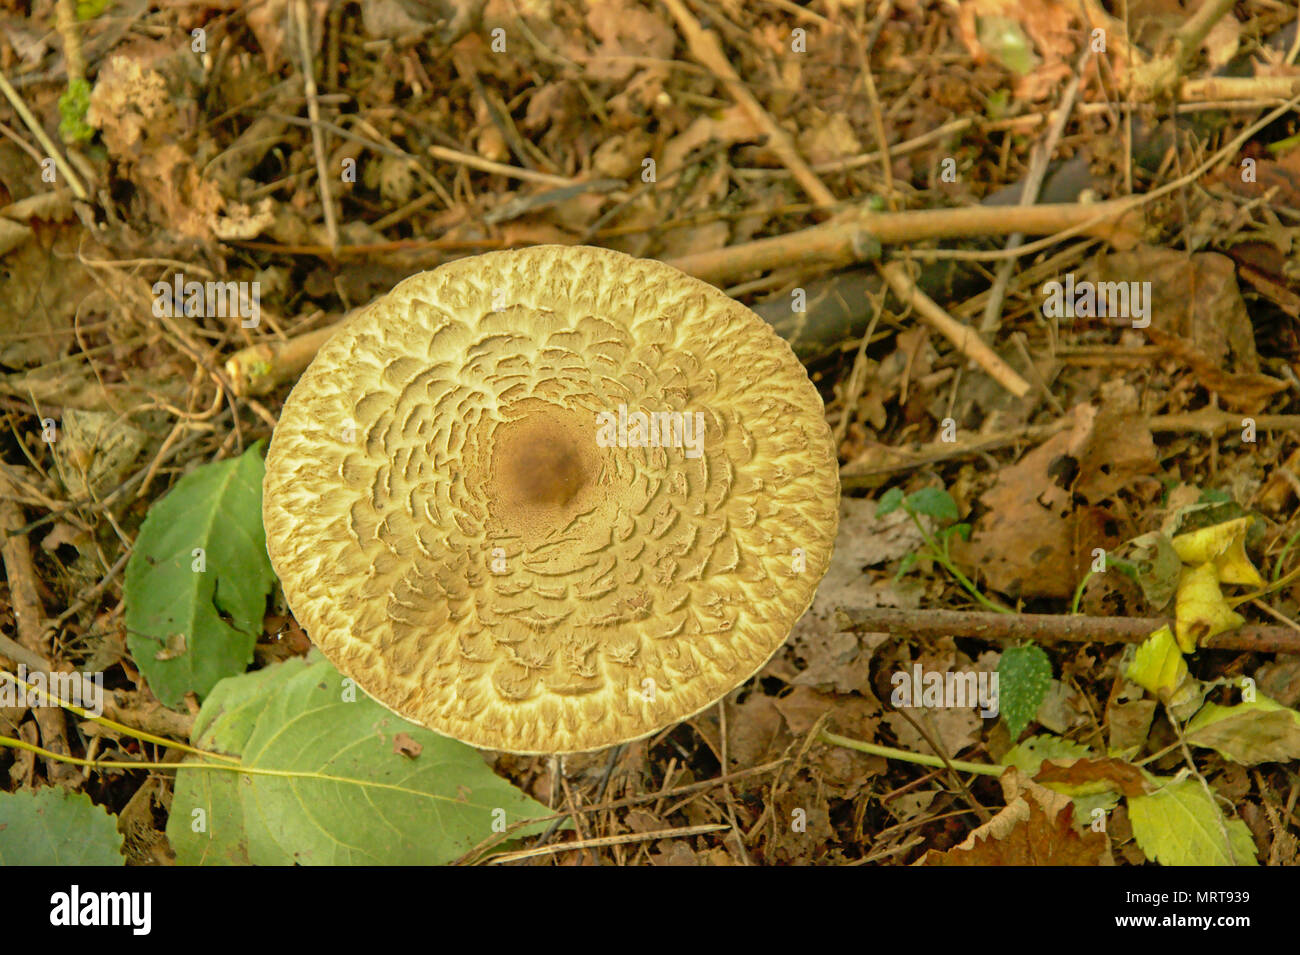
x,y
462,532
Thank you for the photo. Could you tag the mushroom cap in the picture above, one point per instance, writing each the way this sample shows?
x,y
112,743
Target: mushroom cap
x,y
463,516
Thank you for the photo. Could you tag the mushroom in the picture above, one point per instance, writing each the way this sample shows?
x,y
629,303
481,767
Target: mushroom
x,y
551,500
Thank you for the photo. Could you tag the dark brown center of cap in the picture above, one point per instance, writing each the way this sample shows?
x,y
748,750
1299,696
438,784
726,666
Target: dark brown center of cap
x,y
544,464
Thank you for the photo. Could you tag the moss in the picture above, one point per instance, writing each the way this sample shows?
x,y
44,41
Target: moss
x,y
89,9
72,110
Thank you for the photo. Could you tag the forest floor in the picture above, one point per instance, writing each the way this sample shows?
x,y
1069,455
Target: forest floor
x,y
150,143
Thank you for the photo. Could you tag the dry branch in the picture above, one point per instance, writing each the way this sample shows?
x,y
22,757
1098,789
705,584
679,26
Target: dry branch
x,y
259,369
28,614
1050,628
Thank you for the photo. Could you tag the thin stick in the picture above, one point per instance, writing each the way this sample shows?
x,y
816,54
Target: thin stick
x,y
840,242
1029,194
65,20
705,48
964,338
498,168
1207,420
313,113
27,609
606,841
259,369
921,759
74,182
1048,627
1195,28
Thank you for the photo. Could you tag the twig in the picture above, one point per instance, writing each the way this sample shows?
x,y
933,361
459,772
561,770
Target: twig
x,y
616,753
920,759
1194,30
65,20
1205,420
936,745
656,796
92,593
1215,421
858,375
1052,627
74,182
313,113
1161,76
498,168
1253,88
27,614
841,242
728,796
260,368
606,841
1022,346
705,48
964,338
1029,193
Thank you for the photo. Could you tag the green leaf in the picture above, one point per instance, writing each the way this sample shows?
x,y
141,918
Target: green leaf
x,y
996,104
342,794
1157,567
56,827
1264,731
206,825
889,502
1180,824
1004,39
906,564
1029,756
188,628
1024,677
933,502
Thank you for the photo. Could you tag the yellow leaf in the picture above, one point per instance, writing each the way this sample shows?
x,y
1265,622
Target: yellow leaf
x,y
1180,824
1157,666
1223,545
1201,610
1259,732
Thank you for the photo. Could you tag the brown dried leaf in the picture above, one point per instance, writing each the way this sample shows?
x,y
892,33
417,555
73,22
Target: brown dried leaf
x,y
1023,543
1084,776
1247,391
1025,833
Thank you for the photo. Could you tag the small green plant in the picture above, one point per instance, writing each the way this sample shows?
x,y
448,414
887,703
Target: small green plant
x,y
938,505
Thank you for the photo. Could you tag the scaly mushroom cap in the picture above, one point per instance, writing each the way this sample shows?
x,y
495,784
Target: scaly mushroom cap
x,y
470,516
